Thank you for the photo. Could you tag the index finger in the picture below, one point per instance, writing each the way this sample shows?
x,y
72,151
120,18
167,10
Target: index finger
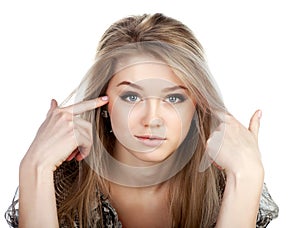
x,y
84,106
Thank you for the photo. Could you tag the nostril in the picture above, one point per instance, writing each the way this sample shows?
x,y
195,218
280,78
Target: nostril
x,y
157,122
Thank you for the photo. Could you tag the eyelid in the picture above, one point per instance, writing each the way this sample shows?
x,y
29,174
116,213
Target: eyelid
x,y
180,96
126,94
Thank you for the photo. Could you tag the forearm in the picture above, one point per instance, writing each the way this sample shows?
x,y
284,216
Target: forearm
x,y
241,199
37,205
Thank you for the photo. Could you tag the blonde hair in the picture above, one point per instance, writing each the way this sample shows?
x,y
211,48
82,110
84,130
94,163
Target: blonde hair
x,y
194,197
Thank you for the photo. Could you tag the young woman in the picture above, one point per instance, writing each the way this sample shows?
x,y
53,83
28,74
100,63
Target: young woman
x,y
148,143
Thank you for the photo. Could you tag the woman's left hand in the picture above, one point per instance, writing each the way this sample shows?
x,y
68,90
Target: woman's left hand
x,y
240,158
238,152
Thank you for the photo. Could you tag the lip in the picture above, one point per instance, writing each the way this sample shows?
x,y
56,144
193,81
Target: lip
x,y
150,140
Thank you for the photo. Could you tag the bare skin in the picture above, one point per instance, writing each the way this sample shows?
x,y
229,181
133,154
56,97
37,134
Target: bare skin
x,y
241,160
37,196
242,164
149,203
239,155
62,133
57,140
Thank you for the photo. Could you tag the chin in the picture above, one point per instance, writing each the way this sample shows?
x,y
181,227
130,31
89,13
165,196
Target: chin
x,y
151,158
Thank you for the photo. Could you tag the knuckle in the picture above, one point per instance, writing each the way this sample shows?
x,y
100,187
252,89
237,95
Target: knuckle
x,y
64,115
70,127
56,111
71,134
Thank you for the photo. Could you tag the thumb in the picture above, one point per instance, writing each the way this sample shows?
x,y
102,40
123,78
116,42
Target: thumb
x,y
255,123
53,106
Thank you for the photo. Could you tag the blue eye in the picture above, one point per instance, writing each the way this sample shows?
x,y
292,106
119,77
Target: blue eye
x,y
131,97
175,98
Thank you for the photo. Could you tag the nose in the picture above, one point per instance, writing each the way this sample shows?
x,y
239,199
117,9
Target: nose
x,y
151,113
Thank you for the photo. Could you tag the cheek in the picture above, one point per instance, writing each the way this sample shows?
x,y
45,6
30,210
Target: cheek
x,y
173,121
177,121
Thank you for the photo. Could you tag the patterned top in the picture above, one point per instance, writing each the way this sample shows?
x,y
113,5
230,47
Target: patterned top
x,y
268,210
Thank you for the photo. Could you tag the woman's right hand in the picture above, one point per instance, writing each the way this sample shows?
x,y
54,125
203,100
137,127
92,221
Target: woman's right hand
x,y
63,136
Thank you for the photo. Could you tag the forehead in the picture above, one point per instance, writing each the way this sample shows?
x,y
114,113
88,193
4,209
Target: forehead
x,y
145,70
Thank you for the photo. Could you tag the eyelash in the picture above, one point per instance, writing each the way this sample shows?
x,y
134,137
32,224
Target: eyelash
x,y
126,96
179,98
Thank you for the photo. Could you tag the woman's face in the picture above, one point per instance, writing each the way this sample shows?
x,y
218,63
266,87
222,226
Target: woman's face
x,y
150,110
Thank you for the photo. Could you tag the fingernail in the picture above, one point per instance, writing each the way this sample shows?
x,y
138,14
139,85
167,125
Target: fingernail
x,y
104,98
259,114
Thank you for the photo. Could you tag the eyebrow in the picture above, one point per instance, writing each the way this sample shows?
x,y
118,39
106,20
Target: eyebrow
x,y
168,89
130,84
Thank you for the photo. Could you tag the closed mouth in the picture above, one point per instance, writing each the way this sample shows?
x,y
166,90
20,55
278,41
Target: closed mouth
x,y
150,137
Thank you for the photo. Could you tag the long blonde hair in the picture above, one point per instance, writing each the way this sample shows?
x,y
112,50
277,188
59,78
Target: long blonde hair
x,y
194,197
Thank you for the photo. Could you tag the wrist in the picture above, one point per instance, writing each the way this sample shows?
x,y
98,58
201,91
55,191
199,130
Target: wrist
x,y
36,196
242,194
247,172
31,168
245,179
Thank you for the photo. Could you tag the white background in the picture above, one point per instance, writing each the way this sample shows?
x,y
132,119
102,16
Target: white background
x,y
252,48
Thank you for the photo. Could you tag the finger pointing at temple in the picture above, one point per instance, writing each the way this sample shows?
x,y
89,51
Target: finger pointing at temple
x,y
86,105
